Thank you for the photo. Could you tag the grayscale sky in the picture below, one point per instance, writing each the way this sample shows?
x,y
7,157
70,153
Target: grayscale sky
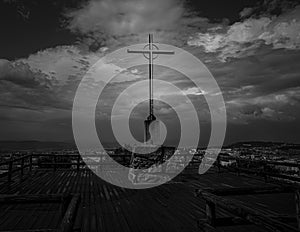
x,y
252,48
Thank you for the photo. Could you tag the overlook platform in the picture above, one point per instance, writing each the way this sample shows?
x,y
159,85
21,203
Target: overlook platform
x,y
104,207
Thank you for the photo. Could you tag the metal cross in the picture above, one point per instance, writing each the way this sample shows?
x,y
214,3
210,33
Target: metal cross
x,y
149,54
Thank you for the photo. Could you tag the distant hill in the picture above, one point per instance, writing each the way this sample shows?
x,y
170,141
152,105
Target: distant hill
x,y
34,145
280,145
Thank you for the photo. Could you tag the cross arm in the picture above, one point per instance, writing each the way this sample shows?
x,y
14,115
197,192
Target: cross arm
x,y
164,52
156,52
138,51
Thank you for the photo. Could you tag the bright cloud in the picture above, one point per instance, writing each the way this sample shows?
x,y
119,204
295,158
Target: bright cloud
x,y
242,38
62,62
125,17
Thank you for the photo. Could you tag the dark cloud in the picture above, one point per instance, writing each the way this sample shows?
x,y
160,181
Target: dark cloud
x,y
21,87
269,8
22,9
21,74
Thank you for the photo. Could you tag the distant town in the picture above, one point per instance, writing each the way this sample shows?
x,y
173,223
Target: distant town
x,y
65,153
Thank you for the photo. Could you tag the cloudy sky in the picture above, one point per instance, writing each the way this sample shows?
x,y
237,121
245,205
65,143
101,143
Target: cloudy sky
x,y
252,48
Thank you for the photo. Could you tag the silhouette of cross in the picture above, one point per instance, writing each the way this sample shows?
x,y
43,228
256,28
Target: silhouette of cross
x,y
149,54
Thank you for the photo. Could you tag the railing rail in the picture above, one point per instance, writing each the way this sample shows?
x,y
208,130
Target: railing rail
x,y
265,168
54,161
16,165
75,161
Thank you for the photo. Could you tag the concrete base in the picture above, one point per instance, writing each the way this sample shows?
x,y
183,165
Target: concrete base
x,y
152,132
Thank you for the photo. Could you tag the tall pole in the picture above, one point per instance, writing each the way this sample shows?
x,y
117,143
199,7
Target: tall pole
x,y
149,54
151,75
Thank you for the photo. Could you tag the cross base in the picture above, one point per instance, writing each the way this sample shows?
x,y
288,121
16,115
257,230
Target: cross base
x,y
151,124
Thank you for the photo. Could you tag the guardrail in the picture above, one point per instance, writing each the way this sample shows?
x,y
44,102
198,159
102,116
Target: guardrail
x,y
67,161
26,164
16,165
264,168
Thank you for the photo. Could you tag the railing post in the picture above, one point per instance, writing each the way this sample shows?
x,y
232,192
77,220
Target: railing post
x,y
78,162
297,202
10,167
211,213
64,205
54,163
22,167
68,220
219,164
265,172
30,163
238,166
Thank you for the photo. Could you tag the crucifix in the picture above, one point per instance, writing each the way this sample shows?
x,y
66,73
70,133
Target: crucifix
x,y
150,52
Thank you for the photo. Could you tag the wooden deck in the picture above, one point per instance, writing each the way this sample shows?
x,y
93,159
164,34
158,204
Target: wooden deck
x,y
104,207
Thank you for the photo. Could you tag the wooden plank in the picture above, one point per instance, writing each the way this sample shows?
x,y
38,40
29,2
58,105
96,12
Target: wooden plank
x,y
160,209
30,164
22,167
40,184
118,213
42,216
35,230
40,198
204,226
237,221
10,169
77,189
249,190
187,211
211,212
85,204
27,218
78,162
80,217
70,215
5,218
297,203
96,205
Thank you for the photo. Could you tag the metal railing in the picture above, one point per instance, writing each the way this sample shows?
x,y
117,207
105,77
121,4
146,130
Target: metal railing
x,y
264,168
16,165
27,163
